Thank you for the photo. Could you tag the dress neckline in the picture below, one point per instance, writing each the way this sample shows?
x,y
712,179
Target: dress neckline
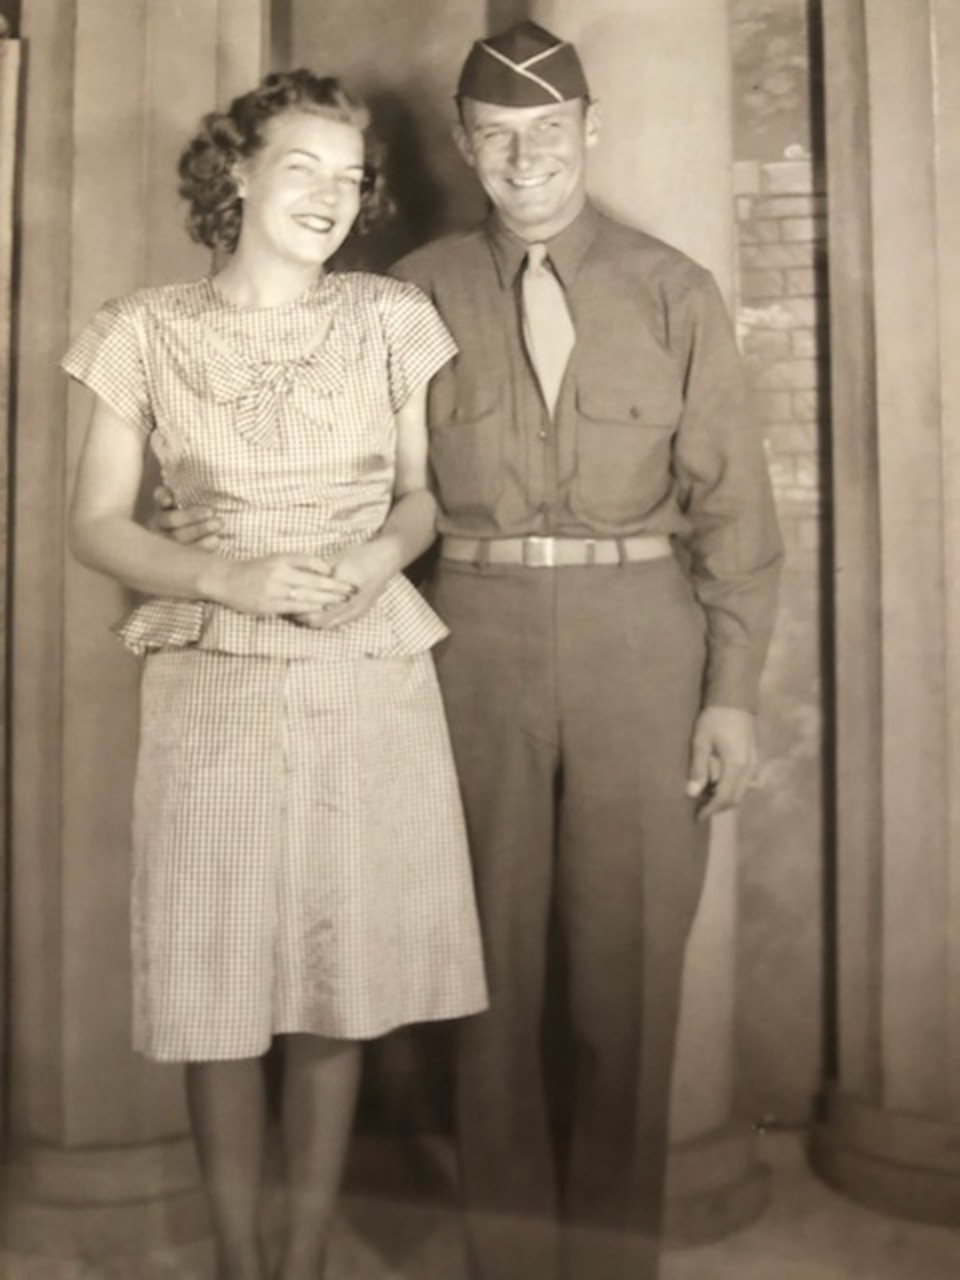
x,y
217,296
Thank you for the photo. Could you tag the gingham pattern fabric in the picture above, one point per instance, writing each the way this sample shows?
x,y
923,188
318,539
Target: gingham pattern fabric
x,y
282,420
299,854
300,860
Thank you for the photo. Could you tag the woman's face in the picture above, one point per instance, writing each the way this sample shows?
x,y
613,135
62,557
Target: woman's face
x,y
301,191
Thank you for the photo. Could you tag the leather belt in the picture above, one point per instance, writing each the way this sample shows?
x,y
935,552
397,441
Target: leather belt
x,y
539,552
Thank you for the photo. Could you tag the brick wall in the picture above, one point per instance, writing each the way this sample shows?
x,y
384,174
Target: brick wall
x,y
781,317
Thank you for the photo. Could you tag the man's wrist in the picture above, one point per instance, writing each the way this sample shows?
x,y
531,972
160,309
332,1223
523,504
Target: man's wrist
x,y
748,712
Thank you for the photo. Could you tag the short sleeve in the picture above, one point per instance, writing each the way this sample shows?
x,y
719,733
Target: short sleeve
x,y
107,357
418,342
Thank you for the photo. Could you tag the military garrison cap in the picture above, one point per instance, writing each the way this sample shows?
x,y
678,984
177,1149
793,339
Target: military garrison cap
x,y
523,67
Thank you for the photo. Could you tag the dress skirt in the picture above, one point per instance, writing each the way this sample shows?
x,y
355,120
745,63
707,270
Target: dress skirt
x,y
300,860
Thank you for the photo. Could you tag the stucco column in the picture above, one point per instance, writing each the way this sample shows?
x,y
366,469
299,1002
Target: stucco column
x,y
10,67
661,72
100,1162
891,1130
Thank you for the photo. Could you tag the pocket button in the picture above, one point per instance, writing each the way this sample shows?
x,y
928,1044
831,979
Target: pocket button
x,y
634,411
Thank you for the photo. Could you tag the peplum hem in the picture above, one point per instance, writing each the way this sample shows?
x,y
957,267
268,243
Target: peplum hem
x,y
400,624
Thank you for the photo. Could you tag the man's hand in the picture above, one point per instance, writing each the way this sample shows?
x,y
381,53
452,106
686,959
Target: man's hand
x,y
194,526
723,759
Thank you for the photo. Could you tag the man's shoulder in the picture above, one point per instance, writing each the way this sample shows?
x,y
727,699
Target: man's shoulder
x,y
436,259
639,252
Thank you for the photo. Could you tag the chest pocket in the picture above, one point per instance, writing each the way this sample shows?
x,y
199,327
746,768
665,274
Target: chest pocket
x,y
624,445
466,445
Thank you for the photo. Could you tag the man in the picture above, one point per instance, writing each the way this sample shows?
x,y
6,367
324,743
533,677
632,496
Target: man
x,y
608,566
594,414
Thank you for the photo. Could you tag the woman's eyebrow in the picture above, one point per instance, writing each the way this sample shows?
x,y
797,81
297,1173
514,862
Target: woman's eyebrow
x,y
312,155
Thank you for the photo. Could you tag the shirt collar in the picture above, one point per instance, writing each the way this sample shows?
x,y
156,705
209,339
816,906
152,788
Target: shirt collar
x,y
566,250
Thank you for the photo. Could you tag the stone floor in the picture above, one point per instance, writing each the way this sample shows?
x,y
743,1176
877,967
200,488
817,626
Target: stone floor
x,y
807,1233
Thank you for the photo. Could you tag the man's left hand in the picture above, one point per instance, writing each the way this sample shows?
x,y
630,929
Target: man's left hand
x,y
723,759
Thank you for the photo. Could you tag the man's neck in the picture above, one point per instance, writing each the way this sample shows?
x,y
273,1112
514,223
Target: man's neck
x,y
540,234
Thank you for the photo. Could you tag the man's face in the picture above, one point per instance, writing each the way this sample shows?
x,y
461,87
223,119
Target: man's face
x,y
531,161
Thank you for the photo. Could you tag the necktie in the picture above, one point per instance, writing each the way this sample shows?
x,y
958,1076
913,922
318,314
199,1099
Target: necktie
x,y
547,327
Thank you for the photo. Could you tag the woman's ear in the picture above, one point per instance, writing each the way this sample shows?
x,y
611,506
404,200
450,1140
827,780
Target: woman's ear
x,y
239,175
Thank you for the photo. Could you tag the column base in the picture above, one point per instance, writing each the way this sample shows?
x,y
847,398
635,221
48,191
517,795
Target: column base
x,y
715,1186
899,1164
103,1202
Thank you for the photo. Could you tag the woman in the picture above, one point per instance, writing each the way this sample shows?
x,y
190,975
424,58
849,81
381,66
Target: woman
x,y
300,868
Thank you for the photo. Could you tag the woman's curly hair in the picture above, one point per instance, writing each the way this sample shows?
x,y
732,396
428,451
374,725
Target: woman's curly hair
x,y
206,167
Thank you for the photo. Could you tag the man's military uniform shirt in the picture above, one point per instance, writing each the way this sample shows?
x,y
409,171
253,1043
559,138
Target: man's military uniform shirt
x,y
652,432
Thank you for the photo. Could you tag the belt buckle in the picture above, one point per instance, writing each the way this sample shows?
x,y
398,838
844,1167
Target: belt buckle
x,y
539,552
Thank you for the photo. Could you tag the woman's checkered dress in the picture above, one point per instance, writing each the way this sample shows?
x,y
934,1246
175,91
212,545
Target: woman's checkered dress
x,y
299,854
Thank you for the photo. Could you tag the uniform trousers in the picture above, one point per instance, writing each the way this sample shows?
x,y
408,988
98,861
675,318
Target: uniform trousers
x,y
571,695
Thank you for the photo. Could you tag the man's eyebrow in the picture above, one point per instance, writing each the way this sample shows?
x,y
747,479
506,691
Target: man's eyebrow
x,y
553,114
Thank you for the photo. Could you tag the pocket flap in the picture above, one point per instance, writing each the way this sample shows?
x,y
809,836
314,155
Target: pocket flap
x,y
472,405
642,406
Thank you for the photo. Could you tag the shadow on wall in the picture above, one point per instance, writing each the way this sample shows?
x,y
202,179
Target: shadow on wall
x,y
413,168
827,653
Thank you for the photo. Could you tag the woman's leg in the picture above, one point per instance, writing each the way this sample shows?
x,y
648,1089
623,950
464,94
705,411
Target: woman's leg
x,y
227,1109
321,1078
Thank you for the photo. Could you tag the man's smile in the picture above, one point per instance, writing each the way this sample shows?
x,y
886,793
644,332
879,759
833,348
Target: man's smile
x,y
529,182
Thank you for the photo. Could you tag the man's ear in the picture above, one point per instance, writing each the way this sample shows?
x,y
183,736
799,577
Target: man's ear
x,y
462,139
591,124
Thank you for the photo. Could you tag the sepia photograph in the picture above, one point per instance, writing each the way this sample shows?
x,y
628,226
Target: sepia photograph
x,y
480,517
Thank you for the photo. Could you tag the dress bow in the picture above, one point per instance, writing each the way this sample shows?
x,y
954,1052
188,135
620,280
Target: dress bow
x,y
261,389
